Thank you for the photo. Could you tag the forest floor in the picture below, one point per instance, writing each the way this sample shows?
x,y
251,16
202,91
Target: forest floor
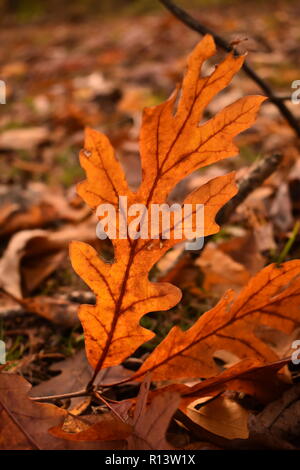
x,y
101,73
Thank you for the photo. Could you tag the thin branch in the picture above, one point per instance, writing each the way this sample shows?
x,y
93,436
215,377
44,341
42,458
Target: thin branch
x,y
100,398
257,176
80,393
195,25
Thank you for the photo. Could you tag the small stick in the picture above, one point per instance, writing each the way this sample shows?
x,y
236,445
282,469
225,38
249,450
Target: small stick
x,y
195,25
80,393
257,176
101,399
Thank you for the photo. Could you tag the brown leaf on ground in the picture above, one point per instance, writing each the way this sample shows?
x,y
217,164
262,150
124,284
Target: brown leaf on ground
x,y
24,424
35,207
105,427
220,271
32,255
75,374
221,416
265,382
150,422
57,310
279,423
25,139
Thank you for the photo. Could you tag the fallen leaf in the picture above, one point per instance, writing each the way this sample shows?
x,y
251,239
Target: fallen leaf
x,y
221,416
250,376
220,271
24,424
106,428
173,145
32,255
75,373
150,422
271,298
25,139
279,423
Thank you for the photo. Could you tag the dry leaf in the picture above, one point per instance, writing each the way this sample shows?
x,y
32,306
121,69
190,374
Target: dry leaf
x,y
220,271
271,298
250,376
106,428
279,423
150,423
24,424
75,374
220,416
173,145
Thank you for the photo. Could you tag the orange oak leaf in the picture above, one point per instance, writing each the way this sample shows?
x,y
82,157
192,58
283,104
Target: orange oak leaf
x,y
173,144
271,298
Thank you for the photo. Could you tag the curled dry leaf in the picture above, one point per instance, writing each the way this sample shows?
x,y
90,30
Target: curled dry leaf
x,y
262,381
173,144
221,416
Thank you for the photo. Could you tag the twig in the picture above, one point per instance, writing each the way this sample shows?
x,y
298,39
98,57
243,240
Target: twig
x,y
80,393
257,176
111,408
194,24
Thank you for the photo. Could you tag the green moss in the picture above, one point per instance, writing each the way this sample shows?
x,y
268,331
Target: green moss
x,y
69,172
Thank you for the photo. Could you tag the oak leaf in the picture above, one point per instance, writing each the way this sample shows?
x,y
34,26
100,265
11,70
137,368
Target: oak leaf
x,y
271,298
27,424
24,424
172,144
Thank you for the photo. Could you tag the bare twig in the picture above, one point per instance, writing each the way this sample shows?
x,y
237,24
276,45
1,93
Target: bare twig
x,y
80,393
100,398
194,24
257,176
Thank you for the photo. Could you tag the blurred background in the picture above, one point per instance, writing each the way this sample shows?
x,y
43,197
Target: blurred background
x,y
68,65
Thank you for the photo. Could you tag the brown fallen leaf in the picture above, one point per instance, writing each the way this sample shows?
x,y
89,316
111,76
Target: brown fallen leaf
x,y
220,271
150,423
57,310
244,250
105,428
75,374
25,139
265,382
221,416
279,423
10,277
24,424
32,255
35,207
